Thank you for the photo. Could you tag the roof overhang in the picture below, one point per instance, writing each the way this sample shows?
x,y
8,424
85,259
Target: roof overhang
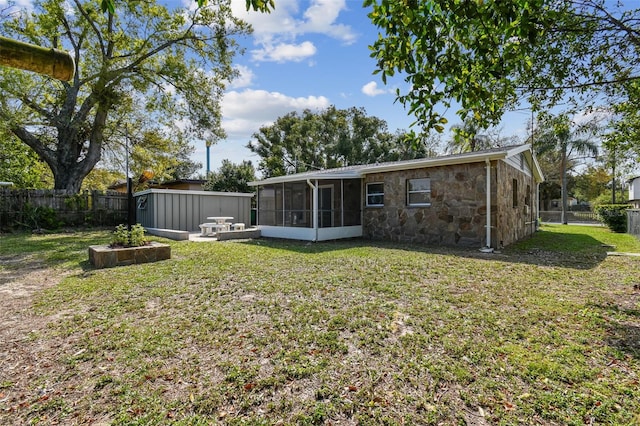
x,y
449,160
187,192
321,175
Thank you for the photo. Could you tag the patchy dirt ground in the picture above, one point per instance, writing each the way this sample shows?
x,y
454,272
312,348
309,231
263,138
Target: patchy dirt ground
x,y
24,359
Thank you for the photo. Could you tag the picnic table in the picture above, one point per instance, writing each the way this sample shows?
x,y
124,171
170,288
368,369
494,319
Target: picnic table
x,y
219,224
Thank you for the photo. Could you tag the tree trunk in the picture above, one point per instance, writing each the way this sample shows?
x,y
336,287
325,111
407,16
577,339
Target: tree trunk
x,y
565,198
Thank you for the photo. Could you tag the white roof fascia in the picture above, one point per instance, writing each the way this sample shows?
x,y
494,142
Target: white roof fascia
x,y
189,192
537,169
535,166
352,174
433,162
518,150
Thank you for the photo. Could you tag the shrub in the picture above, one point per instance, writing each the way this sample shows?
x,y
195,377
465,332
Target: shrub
x,y
136,238
122,237
39,217
614,216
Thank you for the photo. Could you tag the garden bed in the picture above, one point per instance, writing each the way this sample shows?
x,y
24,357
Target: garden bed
x,y
106,257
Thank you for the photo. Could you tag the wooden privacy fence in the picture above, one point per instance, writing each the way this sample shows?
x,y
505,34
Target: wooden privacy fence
x,y
35,208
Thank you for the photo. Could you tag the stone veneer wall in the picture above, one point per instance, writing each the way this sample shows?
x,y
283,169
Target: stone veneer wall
x,y
514,223
456,217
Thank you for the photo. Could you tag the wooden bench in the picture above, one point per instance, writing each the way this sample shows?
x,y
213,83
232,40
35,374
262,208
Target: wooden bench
x,y
237,226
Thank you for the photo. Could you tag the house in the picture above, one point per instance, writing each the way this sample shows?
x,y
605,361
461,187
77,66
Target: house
x,y
479,199
180,184
634,192
556,203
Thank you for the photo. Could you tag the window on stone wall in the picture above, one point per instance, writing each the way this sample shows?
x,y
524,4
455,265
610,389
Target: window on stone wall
x,y
375,194
527,196
419,192
515,193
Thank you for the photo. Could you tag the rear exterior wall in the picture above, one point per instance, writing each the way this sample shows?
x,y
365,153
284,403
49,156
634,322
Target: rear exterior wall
x,y
516,205
455,217
457,214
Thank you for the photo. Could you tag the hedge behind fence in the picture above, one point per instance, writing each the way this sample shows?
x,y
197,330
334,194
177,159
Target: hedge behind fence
x,y
614,216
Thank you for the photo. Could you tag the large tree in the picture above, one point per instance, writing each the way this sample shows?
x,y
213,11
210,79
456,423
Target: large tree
x,y
232,177
332,138
173,64
487,56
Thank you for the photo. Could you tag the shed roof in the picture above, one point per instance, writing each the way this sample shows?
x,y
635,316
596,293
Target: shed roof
x,y
358,171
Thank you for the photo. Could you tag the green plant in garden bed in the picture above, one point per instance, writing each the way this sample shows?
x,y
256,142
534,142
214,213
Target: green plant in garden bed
x,y
123,237
344,332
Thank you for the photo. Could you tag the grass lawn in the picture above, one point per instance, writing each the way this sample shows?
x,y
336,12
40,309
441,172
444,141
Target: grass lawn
x,y
343,333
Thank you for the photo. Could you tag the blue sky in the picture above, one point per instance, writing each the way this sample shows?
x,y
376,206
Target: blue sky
x,y
308,54
305,54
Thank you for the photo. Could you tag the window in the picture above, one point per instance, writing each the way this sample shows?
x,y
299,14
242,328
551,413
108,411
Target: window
x,y
515,193
375,194
419,192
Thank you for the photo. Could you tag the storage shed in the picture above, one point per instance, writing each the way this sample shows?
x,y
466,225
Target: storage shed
x,y
185,210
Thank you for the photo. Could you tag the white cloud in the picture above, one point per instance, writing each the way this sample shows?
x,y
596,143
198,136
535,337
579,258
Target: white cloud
x,y
245,79
321,16
372,89
244,112
276,34
285,52
598,115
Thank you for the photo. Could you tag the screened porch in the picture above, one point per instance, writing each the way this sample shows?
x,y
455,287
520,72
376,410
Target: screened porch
x,y
313,210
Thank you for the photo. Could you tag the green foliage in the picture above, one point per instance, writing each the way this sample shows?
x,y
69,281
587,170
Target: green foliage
x,y
591,183
133,63
257,5
99,179
21,165
333,138
122,237
563,141
486,56
232,177
166,152
137,238
39,217
613,215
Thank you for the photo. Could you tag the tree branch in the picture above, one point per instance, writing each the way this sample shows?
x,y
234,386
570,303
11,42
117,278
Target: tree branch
x,y
46,153
581,85
96,30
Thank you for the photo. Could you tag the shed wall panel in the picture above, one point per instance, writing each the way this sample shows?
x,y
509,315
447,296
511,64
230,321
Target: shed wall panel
x,y
185,210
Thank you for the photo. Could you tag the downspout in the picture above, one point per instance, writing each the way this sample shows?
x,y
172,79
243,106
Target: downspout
x,y
487,248
537,218
314,206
